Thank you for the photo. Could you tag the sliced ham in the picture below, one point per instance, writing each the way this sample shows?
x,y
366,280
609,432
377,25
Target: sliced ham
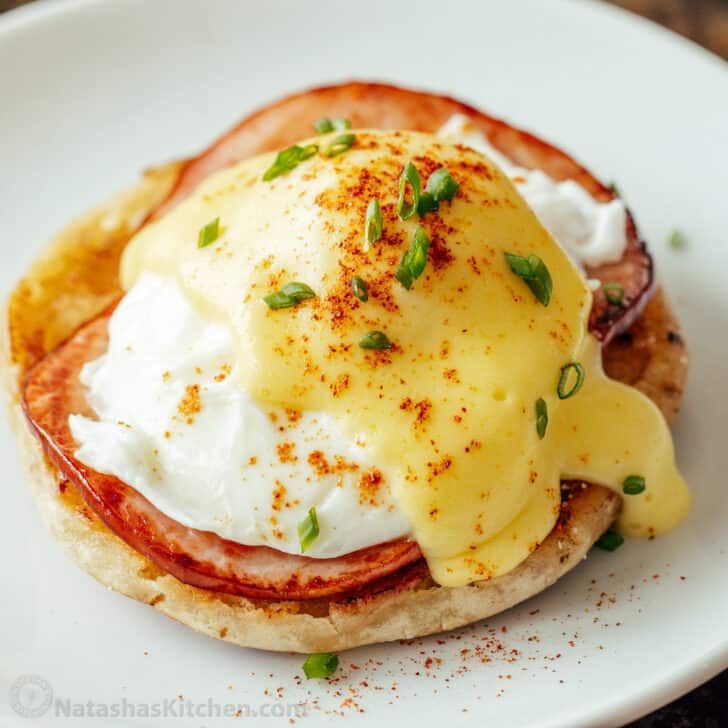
x,y
201,558
372,105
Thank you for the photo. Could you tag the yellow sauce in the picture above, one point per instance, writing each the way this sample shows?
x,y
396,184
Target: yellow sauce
x,y
449,412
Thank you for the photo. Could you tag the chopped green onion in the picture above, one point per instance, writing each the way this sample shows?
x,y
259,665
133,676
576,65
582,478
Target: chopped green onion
x,y
428,203
403,274
323,125
340,144
209,234
612,187
414,260
633,485
609,541
542,417
410,176
373,222
562,390
375,340
308,530
290,295
360,288
440,186
535,273
614,293
676,240
322,665
289,159
308,151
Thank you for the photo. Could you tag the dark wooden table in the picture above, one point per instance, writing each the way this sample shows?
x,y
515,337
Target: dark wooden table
x,y
705,22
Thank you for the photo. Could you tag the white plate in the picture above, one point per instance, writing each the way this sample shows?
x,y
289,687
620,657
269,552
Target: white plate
x,y
94,91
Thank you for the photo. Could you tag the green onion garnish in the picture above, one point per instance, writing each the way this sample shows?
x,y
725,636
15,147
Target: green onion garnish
x,y
633,485
440,186
209,234
360,288
340,144
290,295
410,176
676,239
614,293
289,159
375,340
322,665
428,203
542,417
373,222
612,187
562,390
308,530
414,260
535,273
323,125
609,541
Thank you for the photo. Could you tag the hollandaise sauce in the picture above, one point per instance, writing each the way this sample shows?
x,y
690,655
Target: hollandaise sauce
x,y
400,284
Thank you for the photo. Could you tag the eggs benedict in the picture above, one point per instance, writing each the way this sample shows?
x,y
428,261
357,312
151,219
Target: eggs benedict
x,y
352,389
